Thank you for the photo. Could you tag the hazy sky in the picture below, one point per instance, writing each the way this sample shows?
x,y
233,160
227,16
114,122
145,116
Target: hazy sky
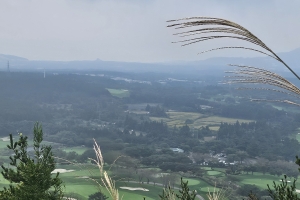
x,y
134,30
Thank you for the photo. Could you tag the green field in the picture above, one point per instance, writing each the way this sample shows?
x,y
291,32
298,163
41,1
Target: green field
x,y
199,120
3,144
261,180
76,184
298,137
296,134
119,92
85,187
214,173
79,149
200,186
79,183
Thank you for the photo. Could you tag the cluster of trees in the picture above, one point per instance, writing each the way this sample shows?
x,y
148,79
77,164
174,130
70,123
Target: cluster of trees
x,y
276,168
156,111
251,110
27,96
257,139
245,190
31,174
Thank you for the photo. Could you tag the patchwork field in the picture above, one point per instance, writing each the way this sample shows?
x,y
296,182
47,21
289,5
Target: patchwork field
x,y
119,92
198,120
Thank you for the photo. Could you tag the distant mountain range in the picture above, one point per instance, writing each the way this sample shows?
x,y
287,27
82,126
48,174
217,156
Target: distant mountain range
x,y
212,66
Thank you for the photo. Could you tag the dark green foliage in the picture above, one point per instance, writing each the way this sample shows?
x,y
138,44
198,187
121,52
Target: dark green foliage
x,y
252,196
30,175
184,192
167,193
256,139
97,196
255,192
139,151
283,191
156,111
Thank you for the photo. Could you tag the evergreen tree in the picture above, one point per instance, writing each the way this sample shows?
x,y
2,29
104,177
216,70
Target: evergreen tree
x,y
30,175
184,193
283,191
97,196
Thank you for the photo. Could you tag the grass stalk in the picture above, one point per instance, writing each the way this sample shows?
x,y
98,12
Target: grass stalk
x,y
107,182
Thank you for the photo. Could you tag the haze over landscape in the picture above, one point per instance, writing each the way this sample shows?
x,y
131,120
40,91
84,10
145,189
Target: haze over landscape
x,y
168,118
134,31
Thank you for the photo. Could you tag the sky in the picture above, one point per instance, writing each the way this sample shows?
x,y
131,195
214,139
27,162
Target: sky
x,y
135,30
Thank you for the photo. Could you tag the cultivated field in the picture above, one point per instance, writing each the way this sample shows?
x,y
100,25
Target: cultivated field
x,y
198,120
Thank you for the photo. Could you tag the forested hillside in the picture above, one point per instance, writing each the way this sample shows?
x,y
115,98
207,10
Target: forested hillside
x,y
143,116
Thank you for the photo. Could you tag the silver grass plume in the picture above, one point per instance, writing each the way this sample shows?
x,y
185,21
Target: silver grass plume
x,y
254,75
216,25
216,28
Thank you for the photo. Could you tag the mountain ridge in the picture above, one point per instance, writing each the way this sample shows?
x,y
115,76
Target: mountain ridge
x,y
210,65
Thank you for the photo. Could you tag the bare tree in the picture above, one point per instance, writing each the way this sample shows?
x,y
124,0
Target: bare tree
x,y
124,173
149,174
201,157
169,179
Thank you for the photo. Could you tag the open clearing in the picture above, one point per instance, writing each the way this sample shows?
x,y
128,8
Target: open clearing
x,y
199,120
81,187
80,182
79,149
87,187
201,186
119,92
214,173
261,180
298,137
77,183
